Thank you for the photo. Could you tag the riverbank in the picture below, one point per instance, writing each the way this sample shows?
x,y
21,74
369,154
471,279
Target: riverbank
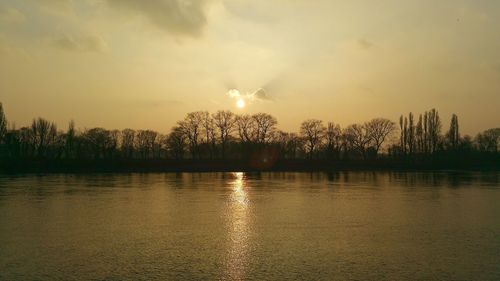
x,y
163,165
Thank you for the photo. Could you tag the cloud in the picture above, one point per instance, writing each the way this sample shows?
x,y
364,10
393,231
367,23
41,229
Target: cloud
x,y
260,94
4,49
158,103
365,44
82,44
11,15
56,6
496,67
257,95
180,17
249,11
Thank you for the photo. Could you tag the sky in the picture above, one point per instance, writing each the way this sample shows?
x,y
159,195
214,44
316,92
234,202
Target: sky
x,y
145,64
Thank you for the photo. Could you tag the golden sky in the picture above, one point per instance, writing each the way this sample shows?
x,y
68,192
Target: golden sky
x,y
144,64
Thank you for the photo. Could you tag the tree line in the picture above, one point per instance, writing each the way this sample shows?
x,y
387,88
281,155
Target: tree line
x,y
226,135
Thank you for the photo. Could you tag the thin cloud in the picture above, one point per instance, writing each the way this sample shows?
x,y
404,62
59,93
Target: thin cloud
x,y
179,17
257,95
365,44
496,67
160,103
11,15
58,6
261,94
82,44
247,10
4,49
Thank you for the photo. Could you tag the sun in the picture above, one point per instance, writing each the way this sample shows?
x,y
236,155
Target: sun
x,y
240,103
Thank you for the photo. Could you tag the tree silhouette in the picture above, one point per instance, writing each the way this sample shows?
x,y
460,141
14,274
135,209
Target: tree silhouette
x,y
69,144
254,139
434,130
453,134
289,144
246,128
146,140
44,132
128,142
176,143
419,135
3,124
489,140
192,126
265,127
208,124
333,138
411,134
359,138
224,121
312,131
379,129
423,138
25,140
98,141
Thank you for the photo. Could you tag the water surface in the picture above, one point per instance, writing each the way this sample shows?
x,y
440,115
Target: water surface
x,y
236,226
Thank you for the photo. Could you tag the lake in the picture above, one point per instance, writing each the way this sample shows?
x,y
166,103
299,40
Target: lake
x,y
257,226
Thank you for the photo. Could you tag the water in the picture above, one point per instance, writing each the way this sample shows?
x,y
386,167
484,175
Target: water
x,y
235,226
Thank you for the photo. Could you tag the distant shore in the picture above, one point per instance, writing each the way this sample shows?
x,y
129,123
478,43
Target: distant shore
x,y
163,165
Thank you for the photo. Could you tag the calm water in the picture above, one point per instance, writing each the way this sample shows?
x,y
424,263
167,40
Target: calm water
x,y
231,226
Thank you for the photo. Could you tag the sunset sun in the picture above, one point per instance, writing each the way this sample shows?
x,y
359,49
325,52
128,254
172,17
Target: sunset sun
x,y
241,103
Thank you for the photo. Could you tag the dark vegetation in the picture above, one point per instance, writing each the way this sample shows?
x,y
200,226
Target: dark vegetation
x,y
224,141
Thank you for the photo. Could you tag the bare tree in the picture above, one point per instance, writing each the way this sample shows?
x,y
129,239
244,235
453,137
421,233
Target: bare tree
x,y
312,130
98,141
57,143
434,130
281,141
192,126
141,143
146,140
114,142
224,121
358,138
294,145
453,134
333,137
159,146
176,143
209,139
489,140
43,133
26,142
128,141
246,127
411,134
69,143
406,136
265,127
3,124
419,135
426,133
402,138
379,129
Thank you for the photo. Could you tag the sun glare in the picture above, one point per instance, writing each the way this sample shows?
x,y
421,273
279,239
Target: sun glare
x,y
240,103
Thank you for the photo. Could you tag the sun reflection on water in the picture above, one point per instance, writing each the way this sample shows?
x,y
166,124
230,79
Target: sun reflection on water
x,y
239,193
239,228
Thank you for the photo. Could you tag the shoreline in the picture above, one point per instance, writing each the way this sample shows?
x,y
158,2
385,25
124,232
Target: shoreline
x,y
193,166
